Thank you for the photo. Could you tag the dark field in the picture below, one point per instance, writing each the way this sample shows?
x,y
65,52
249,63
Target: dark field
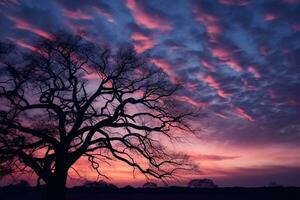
x,y
279,193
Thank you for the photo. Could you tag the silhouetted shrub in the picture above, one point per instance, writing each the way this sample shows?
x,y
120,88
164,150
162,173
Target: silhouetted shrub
x,y
202,183
99,184
150,185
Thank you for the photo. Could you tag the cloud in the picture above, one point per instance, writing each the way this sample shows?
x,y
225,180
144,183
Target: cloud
x,y
222,115
207,157
164,65
242,113
24,25
8,2
109,17
143,43
290,1
74,28
23,44
210,80
209,21
255,176
207,65
247,84
77,14
145,19
272,93
296,27
253,71
190,101
234,2
226,56
270,16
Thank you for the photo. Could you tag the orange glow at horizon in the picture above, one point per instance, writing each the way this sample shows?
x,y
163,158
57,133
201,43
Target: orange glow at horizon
x,y
216,160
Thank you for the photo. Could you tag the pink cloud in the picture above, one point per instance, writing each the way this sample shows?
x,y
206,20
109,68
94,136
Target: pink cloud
x,y
104,13
207,65
292,102
269,16
190,86
247,84
214,29
226,57
220,53
210,22
79,29
6,2
242,113
234,65
234,2
190,101
211,82
263,50
212,157
91,73
147,20
222,115
23,44
76,15
74,27
214,84
272,94
253,71
142,42
23,25
165,66
223,94
296,27
290,1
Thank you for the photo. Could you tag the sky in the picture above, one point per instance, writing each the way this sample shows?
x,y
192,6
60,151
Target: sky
x,y
238,61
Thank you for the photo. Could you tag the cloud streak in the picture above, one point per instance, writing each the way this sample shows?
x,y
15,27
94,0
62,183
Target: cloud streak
x,y
24,25
145,19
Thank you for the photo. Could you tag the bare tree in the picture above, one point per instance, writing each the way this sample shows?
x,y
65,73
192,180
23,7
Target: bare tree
x,y
69,98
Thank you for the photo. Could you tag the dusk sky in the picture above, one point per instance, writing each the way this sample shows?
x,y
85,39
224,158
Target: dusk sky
x,y
238,61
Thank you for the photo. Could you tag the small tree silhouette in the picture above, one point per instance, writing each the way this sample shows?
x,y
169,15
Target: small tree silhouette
x,y
70,98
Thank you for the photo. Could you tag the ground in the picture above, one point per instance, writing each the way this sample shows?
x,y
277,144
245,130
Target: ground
x,y
80,193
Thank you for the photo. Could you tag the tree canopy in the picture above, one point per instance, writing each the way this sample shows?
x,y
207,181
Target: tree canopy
x,y
69,98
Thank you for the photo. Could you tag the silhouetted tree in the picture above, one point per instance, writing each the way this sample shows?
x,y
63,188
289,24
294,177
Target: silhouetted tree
x,y
69,98
99,184
22,183
202,183
149,185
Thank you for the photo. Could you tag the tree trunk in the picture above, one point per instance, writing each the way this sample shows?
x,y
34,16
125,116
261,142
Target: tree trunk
x,y
56,188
